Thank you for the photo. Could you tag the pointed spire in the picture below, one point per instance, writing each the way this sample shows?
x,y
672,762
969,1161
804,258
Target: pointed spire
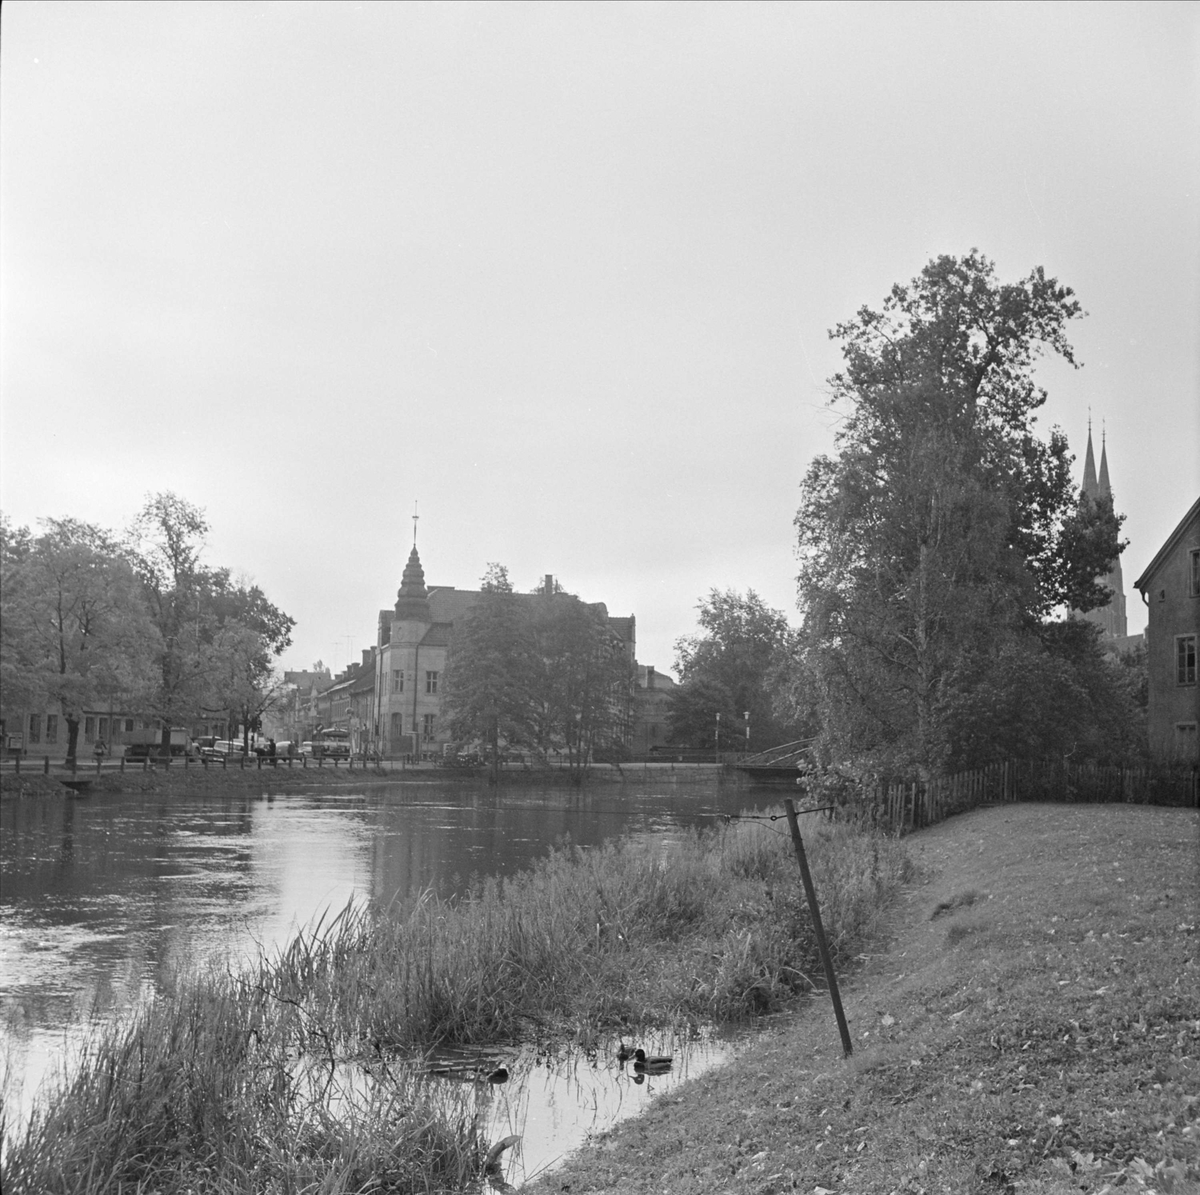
x,y
1091,488
412,598
1105,488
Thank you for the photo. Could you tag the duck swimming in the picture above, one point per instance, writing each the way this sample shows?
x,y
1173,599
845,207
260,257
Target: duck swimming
x,y
651,1064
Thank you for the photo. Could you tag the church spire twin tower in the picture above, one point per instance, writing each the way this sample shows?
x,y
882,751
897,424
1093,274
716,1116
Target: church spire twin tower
x,y
1110,618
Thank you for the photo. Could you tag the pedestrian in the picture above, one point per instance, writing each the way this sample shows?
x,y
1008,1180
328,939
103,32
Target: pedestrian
x,y
99,751
271,748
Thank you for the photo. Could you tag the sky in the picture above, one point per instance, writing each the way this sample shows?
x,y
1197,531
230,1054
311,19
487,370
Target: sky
x,y
560,273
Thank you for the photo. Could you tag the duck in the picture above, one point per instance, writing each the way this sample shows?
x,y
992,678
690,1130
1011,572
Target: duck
x,y
651,1064
625,1053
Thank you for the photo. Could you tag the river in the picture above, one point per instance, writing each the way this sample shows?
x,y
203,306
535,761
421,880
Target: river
x,y
99,892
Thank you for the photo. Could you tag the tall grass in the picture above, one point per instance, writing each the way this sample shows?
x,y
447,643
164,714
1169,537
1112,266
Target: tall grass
x,y
238,1082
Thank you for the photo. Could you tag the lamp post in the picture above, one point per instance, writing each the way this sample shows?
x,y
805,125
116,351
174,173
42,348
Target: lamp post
x,y
746,715
717,740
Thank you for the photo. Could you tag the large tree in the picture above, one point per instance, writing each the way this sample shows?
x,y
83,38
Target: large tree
x,y
730,668
543,671
944,529
76,634
490,680
584,680
217,637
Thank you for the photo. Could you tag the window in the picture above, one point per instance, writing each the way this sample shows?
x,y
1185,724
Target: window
x,y
397,726
89,729
104,728
128,725
428,731
431,682
397,680
52,728
35,728
1194,574
1185,659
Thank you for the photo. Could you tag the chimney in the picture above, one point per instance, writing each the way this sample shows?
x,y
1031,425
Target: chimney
x,y
649,676
366,653
549,583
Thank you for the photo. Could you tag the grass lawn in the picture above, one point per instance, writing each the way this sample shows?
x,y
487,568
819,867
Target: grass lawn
x,y
1029,1023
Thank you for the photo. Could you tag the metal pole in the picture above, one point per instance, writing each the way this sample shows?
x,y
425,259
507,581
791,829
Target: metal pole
x,y
822,945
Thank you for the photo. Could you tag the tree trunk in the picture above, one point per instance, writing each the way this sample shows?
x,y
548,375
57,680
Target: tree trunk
x,y
72,736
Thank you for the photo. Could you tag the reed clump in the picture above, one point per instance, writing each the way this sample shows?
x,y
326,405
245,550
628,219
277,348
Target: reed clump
x,y
283,1076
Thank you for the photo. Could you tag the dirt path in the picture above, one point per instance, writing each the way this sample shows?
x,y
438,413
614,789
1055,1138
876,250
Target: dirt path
x,y
1027,1022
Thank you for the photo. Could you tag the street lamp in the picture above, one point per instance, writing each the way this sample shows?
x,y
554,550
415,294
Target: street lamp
x,y
746,715
717,755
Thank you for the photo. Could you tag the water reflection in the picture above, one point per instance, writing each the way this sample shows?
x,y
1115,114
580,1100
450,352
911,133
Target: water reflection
x,y
99,893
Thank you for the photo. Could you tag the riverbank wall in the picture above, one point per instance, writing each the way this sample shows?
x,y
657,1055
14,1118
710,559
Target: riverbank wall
x,y
58,780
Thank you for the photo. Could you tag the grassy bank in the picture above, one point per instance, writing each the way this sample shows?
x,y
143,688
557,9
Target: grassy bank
x,y
284,1078
1032,1028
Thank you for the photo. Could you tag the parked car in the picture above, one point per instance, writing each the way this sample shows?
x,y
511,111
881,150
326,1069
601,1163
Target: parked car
x,y
222,748
287,748
306,748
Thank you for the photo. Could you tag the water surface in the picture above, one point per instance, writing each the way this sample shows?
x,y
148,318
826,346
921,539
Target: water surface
x,y
100,892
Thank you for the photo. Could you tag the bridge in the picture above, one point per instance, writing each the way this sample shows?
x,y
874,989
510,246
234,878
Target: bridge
x,y
777,763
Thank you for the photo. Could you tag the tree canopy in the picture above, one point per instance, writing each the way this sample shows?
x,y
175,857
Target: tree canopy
x,y
945,534
543,671
731,668
91,620
76,635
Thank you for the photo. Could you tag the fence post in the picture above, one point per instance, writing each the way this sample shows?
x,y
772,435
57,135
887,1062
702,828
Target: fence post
x,y
811,893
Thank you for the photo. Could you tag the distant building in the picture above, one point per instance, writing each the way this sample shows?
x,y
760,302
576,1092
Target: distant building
x,y
1109,618
1170,587
651,701
413,644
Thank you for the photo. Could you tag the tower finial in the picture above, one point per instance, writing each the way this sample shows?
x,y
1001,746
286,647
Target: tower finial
x,y
415,517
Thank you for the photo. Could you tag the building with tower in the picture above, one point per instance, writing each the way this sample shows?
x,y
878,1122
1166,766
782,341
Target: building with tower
x,y
1111,618
412,645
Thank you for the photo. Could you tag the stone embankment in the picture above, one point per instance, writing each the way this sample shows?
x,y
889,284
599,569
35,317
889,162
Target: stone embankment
x,y
33,781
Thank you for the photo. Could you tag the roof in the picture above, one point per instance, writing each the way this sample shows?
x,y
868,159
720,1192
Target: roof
x,y
438,635
1143,582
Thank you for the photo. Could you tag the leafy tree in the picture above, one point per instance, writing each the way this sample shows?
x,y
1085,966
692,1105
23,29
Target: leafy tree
x,y
944,530
490,676
168,537
542,671
730,668
584,680
244,680
76,634
1043,694
217,637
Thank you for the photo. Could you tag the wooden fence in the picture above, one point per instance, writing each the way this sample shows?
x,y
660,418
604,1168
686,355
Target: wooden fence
x,y
901,806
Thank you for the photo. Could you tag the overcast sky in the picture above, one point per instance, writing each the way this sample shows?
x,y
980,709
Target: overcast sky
x,y
561,272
